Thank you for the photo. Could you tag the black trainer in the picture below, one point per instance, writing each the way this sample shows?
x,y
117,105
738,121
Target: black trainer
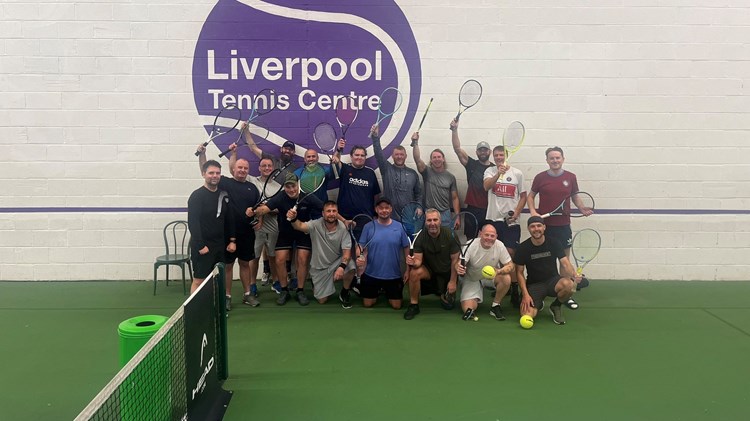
x,y
411,311
468,314
345,299
497,313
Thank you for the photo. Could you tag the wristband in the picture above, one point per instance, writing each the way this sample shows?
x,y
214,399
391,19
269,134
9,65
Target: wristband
x,y
343,265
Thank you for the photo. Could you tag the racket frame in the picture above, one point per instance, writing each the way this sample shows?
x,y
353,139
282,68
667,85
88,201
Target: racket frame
x,y
399,100
412,207
462,248
583,263
330,151
463,107
216,130
560,209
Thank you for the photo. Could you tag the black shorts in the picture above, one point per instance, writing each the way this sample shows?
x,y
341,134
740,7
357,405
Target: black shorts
x,y
539,290
296,239
437,283
510,236
245,250
204,264
562,233
370,287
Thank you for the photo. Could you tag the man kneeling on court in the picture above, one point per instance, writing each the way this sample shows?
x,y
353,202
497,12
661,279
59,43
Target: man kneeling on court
x,y
539,256
488,251
432,269
331,252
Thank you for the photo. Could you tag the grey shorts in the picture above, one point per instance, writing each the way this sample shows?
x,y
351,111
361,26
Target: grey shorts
x,y
266,240
540,290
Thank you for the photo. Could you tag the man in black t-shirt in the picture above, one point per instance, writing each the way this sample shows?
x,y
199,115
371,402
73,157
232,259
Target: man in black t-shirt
x,y
476,196
539,256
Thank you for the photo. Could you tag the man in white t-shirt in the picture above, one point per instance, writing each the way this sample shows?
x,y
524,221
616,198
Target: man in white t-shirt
x,y
487,250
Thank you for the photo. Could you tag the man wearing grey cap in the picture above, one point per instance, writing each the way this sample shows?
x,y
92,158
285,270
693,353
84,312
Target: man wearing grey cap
x,y
538,257
476,195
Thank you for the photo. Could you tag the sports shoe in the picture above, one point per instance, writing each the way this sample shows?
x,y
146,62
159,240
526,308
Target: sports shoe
x,y
355,285
302,298
276,287
265,279
284,296
254,290
497,313
345,299
447,301
541,307
228,302
572,304
250,300
411,311
557,317
583,284
293,283
468,314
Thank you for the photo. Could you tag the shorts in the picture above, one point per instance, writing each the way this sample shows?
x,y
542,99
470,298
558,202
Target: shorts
x,y
296,239
539,290
263,239
510,236
370,287
322,279
244,250
474,290
204,264
437,283
562,233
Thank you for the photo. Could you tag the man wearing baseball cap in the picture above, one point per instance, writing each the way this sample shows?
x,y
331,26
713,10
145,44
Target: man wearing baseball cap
x,y
538,257
476,196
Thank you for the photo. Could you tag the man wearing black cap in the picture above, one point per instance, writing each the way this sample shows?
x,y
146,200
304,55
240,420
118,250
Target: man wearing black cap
x,y
289,238
539,256
381,260
476,195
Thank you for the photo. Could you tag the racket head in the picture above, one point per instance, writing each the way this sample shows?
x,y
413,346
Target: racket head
x,y
310,182
513,137
389,102
412,218
585,200
263,102
586,245
346,109
470,93
325,137
270,187
357,227
460,235
226,120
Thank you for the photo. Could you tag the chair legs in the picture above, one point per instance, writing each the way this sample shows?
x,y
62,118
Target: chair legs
x,y
184,279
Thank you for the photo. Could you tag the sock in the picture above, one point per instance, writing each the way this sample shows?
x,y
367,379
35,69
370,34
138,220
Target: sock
x,y
266,266
494,304
288,266
300,290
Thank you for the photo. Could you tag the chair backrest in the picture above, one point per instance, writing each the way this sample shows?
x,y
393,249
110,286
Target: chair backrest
x,y
176,237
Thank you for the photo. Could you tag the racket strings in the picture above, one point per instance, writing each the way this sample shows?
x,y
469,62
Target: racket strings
x,y
325,137
586,245
346,110
513,137
470,93
390,101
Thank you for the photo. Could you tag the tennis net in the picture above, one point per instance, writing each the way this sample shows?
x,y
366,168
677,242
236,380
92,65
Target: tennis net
x,y
178,373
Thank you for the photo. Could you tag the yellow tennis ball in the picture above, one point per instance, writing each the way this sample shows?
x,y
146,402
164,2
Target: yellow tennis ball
x,y
526,322
488,272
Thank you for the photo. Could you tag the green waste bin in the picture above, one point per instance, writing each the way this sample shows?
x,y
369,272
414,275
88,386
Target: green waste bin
x,y
145,394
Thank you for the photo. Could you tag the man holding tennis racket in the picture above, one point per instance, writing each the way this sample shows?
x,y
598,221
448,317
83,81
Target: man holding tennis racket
x,y
311,174
331,253
536,269
440,188
488,251
553,187
285,160
359,185
476,194
432,268
400,183
384,242
243,195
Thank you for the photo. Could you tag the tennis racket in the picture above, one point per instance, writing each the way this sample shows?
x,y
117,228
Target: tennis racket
x,y
583,201
347,110
232,115
263,103
460,236
468,96
388,103
422,121
513,138
268,191
309,184
356,230
412,222
325,137
586,245
259,131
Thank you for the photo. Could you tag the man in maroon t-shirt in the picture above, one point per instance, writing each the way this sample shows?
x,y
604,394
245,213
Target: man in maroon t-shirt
x,y
553,186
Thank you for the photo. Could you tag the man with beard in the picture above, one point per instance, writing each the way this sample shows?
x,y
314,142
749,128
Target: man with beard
x,y
285,160
381,260
312,172
210,223
432,269
401,184
476,194
440,190
242,194
539,256
331,253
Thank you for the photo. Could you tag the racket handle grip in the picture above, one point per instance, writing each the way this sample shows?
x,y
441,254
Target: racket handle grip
x,y
226,152
411,251
546,215
294,208
198,152
463,261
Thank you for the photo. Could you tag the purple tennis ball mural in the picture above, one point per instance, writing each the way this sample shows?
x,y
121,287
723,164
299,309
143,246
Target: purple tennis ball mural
x,y
310,53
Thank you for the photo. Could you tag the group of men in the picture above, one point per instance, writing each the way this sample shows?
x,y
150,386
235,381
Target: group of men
x,y
228,221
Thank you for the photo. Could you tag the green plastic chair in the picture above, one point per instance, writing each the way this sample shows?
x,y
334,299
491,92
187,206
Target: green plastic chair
x,y
177,245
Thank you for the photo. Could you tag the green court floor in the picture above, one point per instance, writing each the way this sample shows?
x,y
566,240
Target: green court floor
x,y
634,351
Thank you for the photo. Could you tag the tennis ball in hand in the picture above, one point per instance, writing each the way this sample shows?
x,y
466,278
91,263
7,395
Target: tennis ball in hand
x,y
526,322
488,272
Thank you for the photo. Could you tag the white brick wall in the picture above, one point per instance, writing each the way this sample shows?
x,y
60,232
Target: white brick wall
x,y
648,99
